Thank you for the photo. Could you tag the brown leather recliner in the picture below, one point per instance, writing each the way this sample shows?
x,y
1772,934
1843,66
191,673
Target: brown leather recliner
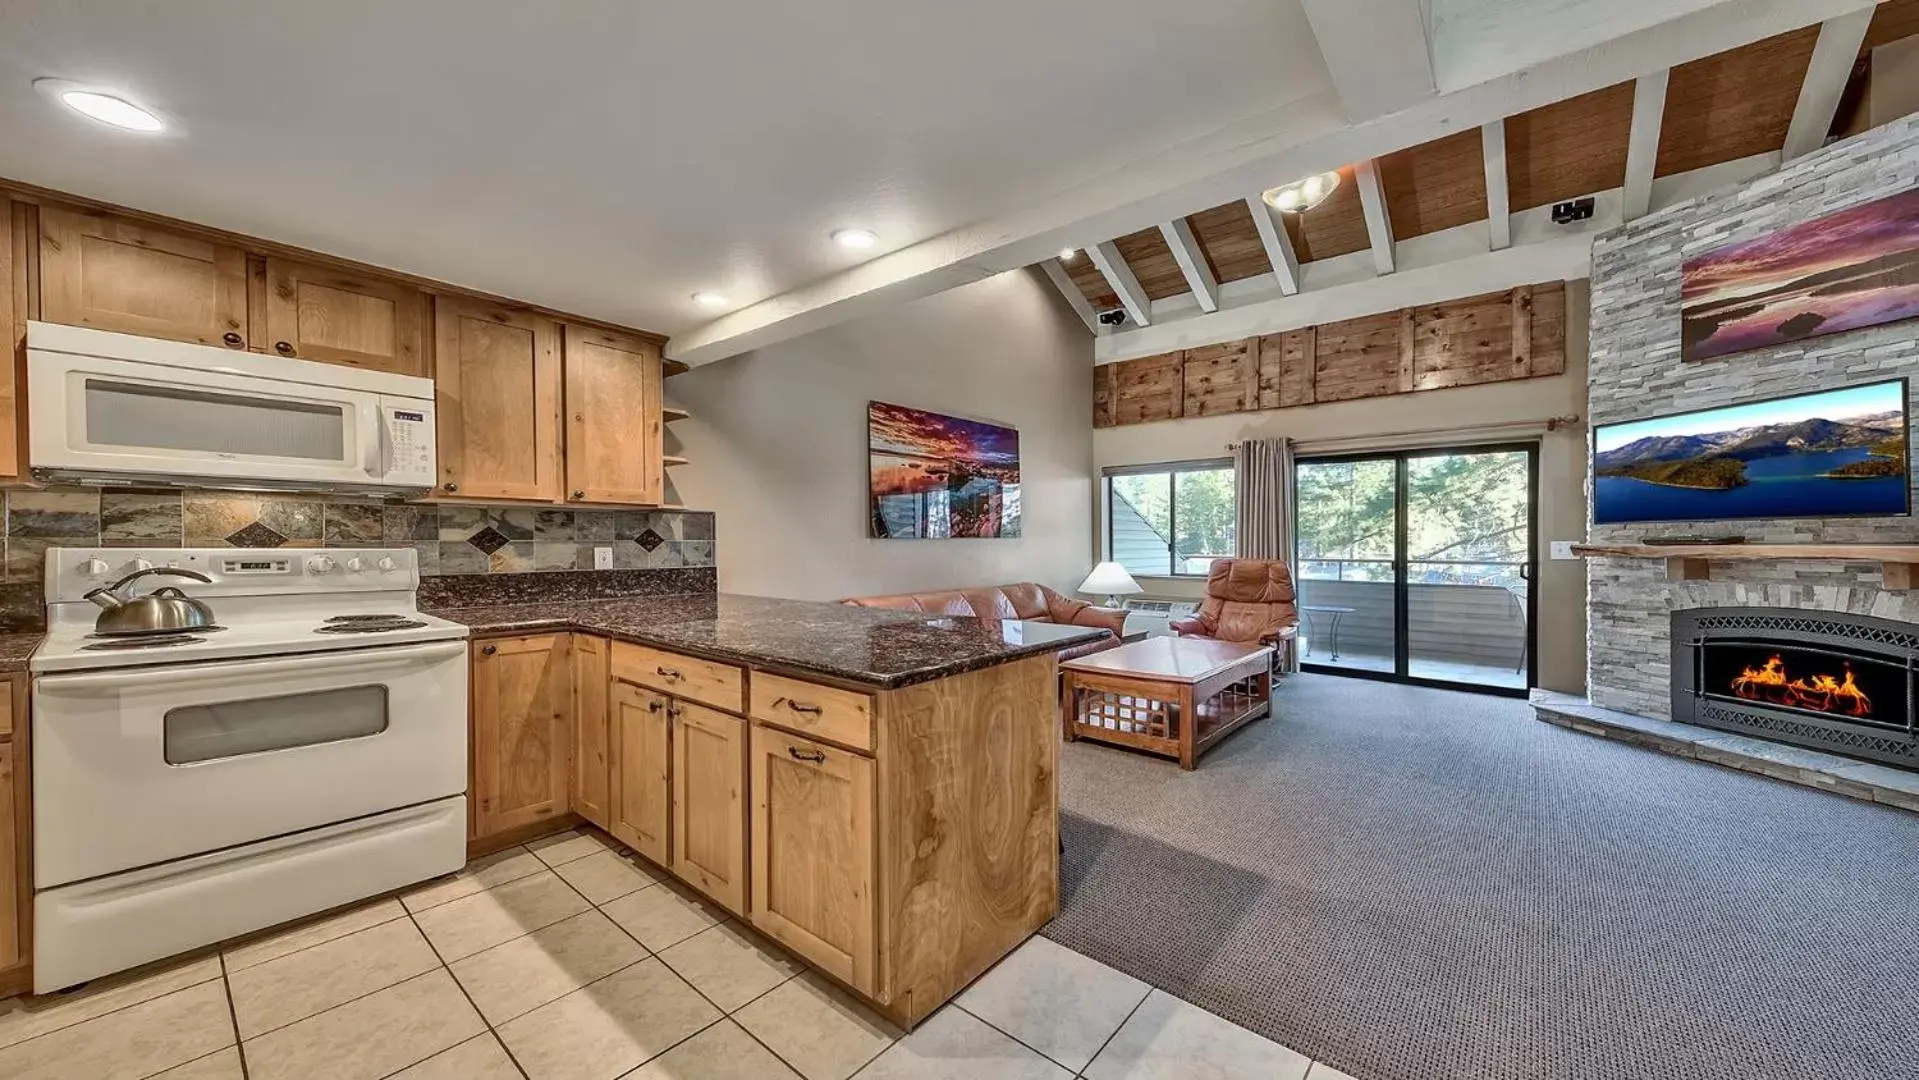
x,y
1024,601
1247,600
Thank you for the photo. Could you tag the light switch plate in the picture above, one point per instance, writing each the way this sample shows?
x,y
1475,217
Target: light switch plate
x,y
1563,549
602,558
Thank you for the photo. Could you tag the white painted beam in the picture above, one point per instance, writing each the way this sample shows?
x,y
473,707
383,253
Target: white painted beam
x,y
1074,298
1642,143
1292,139
1499,210
1826,75
1192,263
1278,244
1379,227
1120,276
1376,51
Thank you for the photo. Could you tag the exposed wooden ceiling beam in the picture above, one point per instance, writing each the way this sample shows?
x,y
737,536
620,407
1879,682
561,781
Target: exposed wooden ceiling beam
x,y
1075,299
1120,276
1376,51
1642,142
1379,227
1278,244
1832,60
1499,211
1192,263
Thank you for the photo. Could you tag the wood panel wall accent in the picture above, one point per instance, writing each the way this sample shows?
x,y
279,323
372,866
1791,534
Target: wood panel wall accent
x,y
1495,337
1569,148
1733,104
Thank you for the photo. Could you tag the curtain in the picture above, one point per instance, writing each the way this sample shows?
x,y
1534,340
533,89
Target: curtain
x,y
1263,477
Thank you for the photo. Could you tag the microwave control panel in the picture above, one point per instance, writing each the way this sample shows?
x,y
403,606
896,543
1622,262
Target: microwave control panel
x,y
409,444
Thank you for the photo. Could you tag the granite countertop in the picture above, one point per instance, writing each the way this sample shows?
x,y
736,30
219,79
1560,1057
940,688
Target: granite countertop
x,y
871,646
16,649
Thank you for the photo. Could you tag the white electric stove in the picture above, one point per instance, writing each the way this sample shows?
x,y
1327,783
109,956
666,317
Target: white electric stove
x,y
308,752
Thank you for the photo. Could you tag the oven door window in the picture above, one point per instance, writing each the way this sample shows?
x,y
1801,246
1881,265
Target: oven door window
x,y
140,417
196,733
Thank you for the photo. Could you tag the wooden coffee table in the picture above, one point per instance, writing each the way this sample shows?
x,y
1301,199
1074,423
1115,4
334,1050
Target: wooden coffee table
x,y
1166,695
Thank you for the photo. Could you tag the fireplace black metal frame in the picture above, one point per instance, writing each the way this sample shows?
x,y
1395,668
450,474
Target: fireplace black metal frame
x,y
1896,643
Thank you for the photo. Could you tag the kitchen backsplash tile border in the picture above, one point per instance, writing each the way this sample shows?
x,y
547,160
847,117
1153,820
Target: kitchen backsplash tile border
x,y
449,539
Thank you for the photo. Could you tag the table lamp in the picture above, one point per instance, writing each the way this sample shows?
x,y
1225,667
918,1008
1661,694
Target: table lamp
x,y
1112,579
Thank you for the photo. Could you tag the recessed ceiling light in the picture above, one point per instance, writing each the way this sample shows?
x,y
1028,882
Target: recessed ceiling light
x,y
1301,195
1066,254
857,239
100,106
709,299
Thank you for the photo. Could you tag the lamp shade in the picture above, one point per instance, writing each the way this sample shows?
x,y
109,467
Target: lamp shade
x,y
1111,579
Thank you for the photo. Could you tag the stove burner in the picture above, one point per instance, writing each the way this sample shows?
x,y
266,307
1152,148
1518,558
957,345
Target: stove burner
x,y
148,635
149,642
367,624
389,617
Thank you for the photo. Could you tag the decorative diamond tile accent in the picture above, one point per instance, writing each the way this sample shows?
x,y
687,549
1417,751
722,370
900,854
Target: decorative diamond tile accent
x,y
488,540
255,535
650,539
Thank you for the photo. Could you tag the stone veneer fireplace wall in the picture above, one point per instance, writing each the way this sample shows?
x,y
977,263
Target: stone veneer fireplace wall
x,y
1636,372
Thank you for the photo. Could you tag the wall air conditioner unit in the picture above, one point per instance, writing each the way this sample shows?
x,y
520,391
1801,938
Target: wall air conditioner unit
x,y
1151,616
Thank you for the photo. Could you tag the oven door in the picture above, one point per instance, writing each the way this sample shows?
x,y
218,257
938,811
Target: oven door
x,y
136,767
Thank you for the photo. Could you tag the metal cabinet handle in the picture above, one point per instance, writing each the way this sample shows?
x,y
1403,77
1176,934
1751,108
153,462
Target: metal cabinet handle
x,y
674,711
285,348
814,756
233,339
798,706
451,486
579,494
489,650
668,673
654,706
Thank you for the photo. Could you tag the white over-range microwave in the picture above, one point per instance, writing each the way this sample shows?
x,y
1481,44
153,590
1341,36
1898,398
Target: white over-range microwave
x,y
107,408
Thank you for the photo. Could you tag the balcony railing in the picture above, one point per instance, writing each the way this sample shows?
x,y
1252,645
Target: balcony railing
x,y
1458,611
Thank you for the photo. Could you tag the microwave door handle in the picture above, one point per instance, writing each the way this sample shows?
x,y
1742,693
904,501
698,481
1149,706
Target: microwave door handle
x,y
352,660
375,442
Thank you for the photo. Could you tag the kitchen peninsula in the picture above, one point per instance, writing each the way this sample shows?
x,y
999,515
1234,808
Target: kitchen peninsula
x,y
875,790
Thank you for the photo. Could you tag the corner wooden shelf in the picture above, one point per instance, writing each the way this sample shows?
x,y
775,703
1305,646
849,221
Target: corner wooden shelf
x,y
672,459
669,414
1899,563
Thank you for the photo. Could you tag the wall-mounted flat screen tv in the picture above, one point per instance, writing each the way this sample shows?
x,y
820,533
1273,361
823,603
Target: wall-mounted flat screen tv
x,y
1834,453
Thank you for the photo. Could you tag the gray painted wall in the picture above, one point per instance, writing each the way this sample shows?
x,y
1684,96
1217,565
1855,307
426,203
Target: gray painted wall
x,y
777,441
1636,371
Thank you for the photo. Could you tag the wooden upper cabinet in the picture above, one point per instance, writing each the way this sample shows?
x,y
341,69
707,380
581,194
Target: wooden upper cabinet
x,y
612,418
339,317
522,715
709,804
111,273
14,237
497,373
640,796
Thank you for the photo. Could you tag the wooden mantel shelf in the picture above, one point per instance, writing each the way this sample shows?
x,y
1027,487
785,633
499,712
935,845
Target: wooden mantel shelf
x,y
1693,562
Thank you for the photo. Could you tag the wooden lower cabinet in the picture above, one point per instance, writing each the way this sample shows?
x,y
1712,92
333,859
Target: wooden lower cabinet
x,y
709,802
16,851
812,844
522,705
592,734
640,795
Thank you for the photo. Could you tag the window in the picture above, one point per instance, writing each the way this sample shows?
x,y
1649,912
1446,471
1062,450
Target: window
x,y
1170,520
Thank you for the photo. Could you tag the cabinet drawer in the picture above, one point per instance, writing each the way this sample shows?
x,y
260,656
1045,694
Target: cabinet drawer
x,y
703,681
842,716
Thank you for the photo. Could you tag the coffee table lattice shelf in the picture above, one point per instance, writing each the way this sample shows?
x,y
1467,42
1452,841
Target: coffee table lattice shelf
x,y
1175,697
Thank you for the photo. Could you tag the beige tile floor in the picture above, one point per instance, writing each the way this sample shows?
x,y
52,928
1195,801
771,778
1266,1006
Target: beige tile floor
x,y
569,959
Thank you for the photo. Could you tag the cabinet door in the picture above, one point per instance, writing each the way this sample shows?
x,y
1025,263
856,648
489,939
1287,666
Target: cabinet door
x,y
110,273
612,418
709,806
11,945
592,759
342,318
13,322
639,770
497,373
812,845
521,699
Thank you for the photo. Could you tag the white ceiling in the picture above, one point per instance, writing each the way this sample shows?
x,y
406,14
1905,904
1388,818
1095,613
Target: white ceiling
x,y
609,157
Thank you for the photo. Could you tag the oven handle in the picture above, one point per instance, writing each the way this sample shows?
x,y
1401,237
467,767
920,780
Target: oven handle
x,y
350,660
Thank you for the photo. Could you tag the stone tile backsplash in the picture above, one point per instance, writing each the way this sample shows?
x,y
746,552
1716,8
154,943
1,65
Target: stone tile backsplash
x,y
449,539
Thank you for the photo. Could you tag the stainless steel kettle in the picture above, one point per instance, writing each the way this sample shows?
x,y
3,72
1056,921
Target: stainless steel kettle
x,y
164,610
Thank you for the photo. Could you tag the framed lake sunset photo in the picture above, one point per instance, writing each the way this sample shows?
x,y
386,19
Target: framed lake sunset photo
x,y
936,477
1845,271
1835,453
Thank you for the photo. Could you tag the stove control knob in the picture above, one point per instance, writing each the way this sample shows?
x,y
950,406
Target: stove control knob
x,y
139,564
320,564
355,565
94,568
387,565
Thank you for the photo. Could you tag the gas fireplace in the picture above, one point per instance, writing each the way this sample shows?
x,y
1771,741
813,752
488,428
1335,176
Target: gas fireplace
x,y
1840,683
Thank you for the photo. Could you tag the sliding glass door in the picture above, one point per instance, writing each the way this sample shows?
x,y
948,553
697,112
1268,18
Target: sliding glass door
x,y
1417,565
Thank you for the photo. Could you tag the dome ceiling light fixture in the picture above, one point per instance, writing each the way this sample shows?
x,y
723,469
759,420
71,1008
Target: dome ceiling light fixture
x,y
1301,195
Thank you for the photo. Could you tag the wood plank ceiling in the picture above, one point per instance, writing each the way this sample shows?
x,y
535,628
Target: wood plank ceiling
x,y
1719,108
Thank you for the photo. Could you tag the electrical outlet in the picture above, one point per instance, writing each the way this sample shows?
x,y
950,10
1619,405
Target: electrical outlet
x,y
1563,549
602,558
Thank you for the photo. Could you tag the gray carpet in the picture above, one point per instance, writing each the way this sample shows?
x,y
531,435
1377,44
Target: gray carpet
x,y
1414,884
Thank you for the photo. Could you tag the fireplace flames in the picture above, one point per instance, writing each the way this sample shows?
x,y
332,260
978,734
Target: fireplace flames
x,y
1821,693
